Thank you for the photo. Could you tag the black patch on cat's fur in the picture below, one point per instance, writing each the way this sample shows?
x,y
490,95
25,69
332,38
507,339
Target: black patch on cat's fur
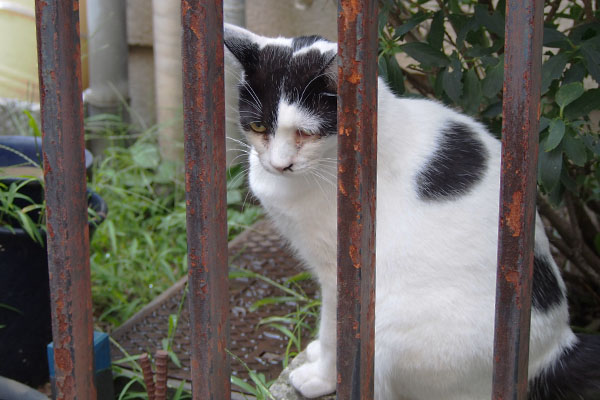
x,y
574,376
273,72
244,50
457,165
545,291
304,41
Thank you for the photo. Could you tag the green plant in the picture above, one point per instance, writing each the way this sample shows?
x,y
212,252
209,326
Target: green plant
x,y
18,210
260,390
134,378
297,325
456,55
140,250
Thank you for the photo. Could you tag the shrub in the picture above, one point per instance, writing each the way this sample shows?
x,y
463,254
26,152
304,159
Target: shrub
x,y
456,50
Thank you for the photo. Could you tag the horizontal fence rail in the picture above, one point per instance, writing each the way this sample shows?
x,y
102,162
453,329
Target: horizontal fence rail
x,y
206,209
357,169
59,61
523,49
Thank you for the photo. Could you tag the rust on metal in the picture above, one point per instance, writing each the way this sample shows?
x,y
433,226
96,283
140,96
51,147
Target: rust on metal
x,y
517,198
59,61
204,122
161,358
147,374
357,166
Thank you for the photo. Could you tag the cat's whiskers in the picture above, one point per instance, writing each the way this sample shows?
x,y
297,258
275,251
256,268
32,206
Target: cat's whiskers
x,y
242,82
244,154
256,106
324,178
316,180
243,144
249,193
241,175
308,84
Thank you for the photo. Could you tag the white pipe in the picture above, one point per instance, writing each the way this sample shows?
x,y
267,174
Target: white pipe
x,y
107,44
168,77
166,20
17,9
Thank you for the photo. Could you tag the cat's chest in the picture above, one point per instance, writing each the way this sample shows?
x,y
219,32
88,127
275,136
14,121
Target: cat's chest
x,y
304,214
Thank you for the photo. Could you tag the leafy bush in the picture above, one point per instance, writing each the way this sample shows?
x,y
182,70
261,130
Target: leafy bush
x,y
456,50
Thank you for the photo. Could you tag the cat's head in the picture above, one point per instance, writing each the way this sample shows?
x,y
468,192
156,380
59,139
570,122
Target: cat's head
x,y
287,98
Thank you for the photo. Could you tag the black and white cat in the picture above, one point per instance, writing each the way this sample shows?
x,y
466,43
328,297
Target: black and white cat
x,y
437,215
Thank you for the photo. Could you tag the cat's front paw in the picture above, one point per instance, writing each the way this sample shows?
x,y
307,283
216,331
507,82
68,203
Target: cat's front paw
x,y
313,351
313,379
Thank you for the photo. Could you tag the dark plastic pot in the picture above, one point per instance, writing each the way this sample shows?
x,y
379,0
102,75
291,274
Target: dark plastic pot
x,y
25,325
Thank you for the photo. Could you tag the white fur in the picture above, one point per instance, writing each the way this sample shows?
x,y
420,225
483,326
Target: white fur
x,y
435,283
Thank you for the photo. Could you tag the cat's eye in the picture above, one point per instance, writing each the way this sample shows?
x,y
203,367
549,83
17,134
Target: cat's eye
x,y
257,127
303,134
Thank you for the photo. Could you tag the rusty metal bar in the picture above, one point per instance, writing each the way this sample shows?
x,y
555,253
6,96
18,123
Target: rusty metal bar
x,y
204,122
523,46
161,359
147,374
357,166
59,61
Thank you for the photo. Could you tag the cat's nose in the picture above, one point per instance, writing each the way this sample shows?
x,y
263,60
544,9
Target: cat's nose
x,y
282,169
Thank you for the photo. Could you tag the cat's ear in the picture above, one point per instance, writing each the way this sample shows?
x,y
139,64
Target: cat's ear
x,y
242,44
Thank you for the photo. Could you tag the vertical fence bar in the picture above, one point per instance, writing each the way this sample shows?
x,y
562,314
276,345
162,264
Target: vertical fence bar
x,y
204,122
523,47
59,61
357,166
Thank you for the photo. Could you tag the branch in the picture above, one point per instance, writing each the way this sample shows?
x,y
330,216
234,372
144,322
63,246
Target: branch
x,y
576,259
417,83
589,11
576,279
553,10
564,230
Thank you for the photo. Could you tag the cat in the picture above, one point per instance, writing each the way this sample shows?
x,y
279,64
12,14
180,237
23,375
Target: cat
x,y
438,183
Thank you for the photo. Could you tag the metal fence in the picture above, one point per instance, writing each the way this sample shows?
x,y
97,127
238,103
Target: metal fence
x,y
68,242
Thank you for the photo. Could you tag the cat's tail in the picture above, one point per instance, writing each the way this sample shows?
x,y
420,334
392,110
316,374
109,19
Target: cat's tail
x,y
574,376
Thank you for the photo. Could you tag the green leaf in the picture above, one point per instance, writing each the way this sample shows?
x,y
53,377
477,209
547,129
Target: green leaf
x,y
243,385
390,71
472,93
575,150
549,167
555,39
588,102
435,37
410,24
425,54
557,132
575,73
552,69
493,110
494,79
234,197
145,155
544,123
568,94
451,79
493,23
591,55
568,182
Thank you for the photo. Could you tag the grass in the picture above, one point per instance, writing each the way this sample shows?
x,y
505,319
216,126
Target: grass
x,y
140,250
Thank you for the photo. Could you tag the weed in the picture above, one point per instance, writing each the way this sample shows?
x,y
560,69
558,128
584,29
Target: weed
x,y
140,250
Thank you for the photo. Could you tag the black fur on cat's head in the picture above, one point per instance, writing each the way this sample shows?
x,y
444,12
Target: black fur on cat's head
x,y
301,71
